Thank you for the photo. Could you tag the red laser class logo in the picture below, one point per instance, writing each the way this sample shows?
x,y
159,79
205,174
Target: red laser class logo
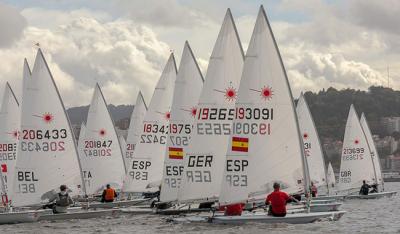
x,y
192,111
46,117
266,92
102,132
305,135
230,93
167,114
356,141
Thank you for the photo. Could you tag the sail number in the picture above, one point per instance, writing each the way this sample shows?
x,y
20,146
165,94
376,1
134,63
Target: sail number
x,y
171,172
8,151
353,154
47,134
43,146
98,144
26,181
166,129
345,177
232,166
238,113
199,161
235,128
139,170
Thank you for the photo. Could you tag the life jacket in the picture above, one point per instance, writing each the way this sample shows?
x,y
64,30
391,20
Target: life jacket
x,y
278,200
110,194
63,201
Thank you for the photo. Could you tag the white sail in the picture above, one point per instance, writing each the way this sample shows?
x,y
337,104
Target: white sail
x,y
312,145
9,132
188,85
135,128
204,161
330,177
356,162
101,159
47,155
146,168
265,145
374,152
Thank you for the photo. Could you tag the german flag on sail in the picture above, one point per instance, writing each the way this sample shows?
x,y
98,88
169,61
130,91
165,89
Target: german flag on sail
x,y
240,144
175,153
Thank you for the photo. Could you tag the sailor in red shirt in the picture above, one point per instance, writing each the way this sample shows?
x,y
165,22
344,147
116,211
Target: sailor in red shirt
x,y
234,209
277,202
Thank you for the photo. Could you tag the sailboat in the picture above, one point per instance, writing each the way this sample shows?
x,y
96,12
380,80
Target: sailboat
x,y
314,154
101,155
145,170
135,129
188,85
47,156
356,162
101,160
134,132
374,157
270,148
9,132
312,146
204,159
330,177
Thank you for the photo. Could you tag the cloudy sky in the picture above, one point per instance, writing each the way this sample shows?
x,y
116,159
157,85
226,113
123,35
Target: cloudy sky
x,y
124,44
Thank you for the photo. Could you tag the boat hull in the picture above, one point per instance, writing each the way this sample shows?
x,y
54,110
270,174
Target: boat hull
x,y
126,203
329,197
372,195
19,217
299,218
83,214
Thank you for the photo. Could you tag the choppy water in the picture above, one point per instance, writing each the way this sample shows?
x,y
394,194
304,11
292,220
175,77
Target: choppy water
x,y
364,216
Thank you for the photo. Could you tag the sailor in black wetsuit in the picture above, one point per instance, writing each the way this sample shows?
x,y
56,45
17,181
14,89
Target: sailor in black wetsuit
x,y
364,188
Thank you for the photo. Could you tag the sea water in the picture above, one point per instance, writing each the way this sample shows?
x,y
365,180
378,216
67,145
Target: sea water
x,y
363,216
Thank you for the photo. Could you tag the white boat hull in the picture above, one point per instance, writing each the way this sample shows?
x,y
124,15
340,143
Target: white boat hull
x,y
326,207
83,214
289,218
19,217
126,203
328,197
372,195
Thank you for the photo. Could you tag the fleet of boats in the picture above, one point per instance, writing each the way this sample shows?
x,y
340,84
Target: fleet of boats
x,y
201,144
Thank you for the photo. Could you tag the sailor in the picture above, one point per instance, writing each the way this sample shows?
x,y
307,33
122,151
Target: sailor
x,y
374,188
314,190
234,209
364,188
108,194
277,202
62,201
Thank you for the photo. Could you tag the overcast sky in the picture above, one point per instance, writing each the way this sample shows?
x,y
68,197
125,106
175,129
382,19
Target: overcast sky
x,y
124,44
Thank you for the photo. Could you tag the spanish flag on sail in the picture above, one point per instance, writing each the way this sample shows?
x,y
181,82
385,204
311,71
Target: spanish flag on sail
x,y
175,153
240,144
